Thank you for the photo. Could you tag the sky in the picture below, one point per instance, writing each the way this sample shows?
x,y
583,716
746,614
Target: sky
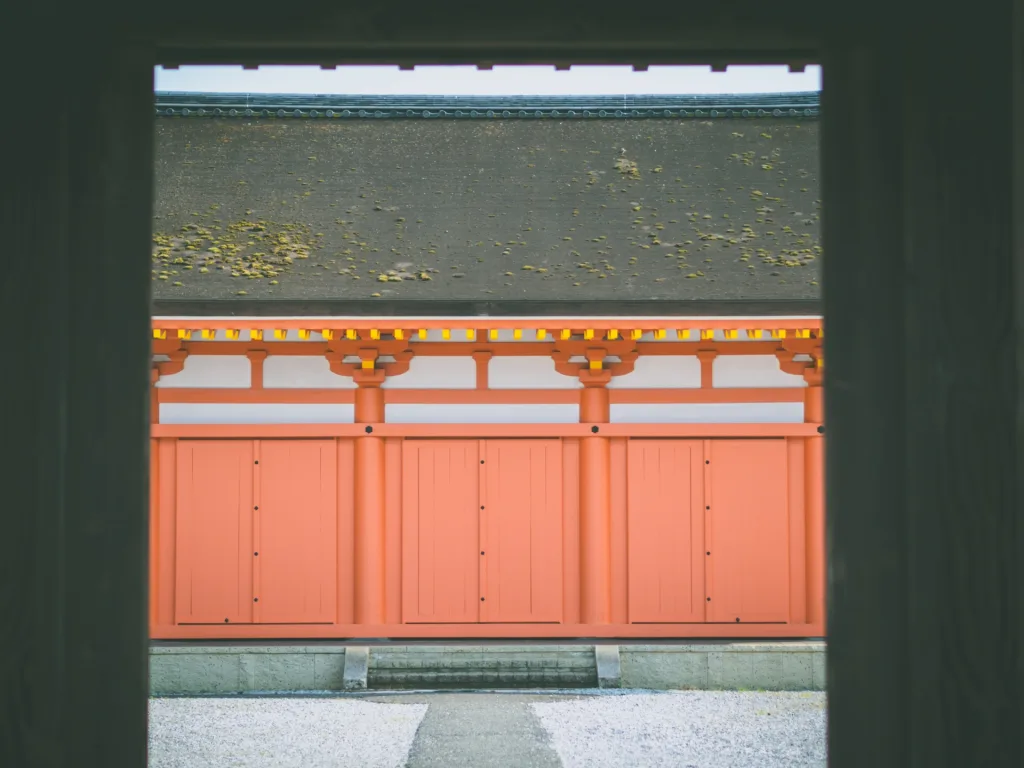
x,y
500,81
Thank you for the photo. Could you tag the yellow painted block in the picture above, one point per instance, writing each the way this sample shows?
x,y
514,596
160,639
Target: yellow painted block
x,y
327,333
566,334
636,334
232,334
375,333
613,334
368,364
446,333
493,334
399,334
159,333
779,333
595,365
731,333
755,333
255,334
707,334
208,333
588,334
184,333
661,333
470,334
350,334
541,334
683,333
517,333
280,334
304,334
422,333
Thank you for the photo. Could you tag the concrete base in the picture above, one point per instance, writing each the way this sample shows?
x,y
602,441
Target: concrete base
x,y
198,669
609,668
357,667
769,666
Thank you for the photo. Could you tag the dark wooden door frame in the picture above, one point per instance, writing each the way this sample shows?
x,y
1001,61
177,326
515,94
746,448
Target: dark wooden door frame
x,y
924,299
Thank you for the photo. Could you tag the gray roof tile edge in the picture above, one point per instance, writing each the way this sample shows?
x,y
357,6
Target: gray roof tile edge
x,y
351,106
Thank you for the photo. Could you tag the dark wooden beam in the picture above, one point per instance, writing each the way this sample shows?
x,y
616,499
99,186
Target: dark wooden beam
x,y
75,212
924,432
410,32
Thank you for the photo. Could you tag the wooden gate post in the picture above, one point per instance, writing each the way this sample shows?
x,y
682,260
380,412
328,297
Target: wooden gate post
x,y
369,500
595,502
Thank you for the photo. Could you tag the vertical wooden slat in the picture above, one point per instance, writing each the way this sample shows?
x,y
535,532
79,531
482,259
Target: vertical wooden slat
x,y
346,532
619,510
570,531
393,530
168,506
798,543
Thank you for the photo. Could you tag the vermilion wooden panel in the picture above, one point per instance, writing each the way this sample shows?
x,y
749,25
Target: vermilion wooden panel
x,y
393,530
164,568
296,535
521,526
619,488
213,569
748,532
440,534
346,532
570,530
666,530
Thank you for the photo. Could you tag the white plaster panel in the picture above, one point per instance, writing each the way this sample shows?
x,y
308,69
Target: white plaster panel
x,y
661,372
306,371
436,373
221,371
752,371
417,413
257,413
707,413
527,373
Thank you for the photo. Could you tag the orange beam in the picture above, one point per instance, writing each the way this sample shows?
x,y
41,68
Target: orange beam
x,y
270,431
577,324
354,631
466,348
487,397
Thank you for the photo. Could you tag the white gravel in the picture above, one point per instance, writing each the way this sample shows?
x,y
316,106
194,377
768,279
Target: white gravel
x,y
688,729
280,733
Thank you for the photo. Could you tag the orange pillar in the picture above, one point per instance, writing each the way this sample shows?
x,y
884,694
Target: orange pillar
x,y
595,505
814,494
369,502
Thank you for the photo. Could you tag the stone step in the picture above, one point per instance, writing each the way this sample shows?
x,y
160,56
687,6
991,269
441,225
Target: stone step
x,y
447,667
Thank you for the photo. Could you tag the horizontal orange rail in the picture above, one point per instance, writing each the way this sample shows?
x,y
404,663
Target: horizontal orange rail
x,y
477,397
460,348
346,631
271,431
503,323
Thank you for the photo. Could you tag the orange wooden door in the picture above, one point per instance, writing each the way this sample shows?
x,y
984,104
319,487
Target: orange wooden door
x,y
666,530
213,568
296,532
521,525
440,534
747,531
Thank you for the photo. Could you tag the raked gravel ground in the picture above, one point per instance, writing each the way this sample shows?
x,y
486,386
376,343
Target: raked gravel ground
x,y
688,729
574,729
280,733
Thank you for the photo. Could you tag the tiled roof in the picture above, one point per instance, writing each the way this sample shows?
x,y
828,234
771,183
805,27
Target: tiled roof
x,y
559,210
